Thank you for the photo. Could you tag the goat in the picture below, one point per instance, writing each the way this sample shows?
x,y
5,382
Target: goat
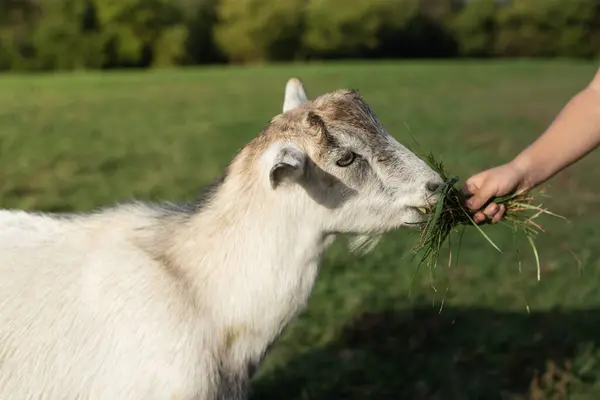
x,y
150,301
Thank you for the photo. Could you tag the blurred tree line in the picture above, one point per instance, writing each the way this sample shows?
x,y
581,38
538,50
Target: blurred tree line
x,y
78,34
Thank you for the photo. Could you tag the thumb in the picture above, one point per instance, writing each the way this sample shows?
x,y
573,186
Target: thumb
x,y
471,186
481,195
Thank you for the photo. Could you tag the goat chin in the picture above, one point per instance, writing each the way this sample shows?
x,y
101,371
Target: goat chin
x,y
364,244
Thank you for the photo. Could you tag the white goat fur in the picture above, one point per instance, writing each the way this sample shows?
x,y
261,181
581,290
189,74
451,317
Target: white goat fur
x,y
141,301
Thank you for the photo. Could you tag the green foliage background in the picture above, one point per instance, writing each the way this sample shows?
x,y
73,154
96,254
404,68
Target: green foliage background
x,y
100,34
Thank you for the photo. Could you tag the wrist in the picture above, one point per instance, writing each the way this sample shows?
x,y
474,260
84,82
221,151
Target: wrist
x,y
523,167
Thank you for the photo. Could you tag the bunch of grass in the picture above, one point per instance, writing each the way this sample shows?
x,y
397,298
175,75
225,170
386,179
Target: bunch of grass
x,y
450,213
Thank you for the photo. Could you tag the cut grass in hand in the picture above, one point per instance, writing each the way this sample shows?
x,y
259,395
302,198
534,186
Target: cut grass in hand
x,y
449,213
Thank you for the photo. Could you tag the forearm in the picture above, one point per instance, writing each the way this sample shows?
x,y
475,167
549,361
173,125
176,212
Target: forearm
x,y
574,133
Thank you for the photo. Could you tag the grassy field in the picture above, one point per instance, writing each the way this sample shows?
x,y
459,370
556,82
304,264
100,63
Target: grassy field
x,y
376,327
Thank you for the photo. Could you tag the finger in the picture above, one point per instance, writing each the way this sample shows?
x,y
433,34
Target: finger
x,y
481,196
479,217
499,215
491,210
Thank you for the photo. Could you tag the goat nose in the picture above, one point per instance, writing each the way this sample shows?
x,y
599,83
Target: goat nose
x,y
432,186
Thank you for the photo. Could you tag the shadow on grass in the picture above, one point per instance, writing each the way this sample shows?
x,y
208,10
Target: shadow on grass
x,y
462,353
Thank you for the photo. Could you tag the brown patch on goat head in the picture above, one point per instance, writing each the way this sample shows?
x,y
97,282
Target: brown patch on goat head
x,y
346,107
310,124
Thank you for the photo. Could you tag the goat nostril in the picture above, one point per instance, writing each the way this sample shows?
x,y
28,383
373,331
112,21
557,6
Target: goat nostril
x,y
432,186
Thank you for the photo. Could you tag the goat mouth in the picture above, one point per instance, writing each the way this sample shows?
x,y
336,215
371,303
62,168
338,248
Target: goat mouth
x,y
424,214
423,210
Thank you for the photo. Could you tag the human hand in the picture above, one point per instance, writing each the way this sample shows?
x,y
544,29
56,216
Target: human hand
x,y
499,181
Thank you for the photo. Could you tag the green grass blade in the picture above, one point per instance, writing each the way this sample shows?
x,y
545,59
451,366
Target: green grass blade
x,y
482,232
535,253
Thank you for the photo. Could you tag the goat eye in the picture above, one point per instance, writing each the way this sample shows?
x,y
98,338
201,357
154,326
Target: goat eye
x,y
346,160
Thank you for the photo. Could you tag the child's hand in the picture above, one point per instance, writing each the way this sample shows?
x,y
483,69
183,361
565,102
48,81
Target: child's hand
x,y
500,181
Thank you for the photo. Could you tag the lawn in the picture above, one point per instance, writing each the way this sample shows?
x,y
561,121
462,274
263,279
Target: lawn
x,y
376,327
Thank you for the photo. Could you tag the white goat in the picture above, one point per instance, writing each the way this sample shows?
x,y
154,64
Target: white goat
x,y
149,302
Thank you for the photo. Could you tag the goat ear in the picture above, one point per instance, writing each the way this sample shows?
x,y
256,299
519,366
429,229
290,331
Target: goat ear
x,y
288,162
294,94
